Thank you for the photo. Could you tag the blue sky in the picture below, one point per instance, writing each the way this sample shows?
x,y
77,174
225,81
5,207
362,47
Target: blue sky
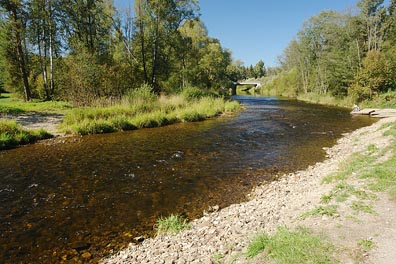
x,y
260,29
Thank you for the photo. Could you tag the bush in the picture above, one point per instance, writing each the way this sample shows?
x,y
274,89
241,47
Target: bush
x,y
191,93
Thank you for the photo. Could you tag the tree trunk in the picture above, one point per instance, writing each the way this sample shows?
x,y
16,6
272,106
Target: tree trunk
x,y
20,54
52,82
142,42
155,57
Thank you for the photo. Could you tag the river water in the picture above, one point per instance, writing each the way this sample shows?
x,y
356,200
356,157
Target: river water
x,y
80,198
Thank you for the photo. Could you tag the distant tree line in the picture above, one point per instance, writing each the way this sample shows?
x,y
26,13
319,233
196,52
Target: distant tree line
x,y
342,54
82,50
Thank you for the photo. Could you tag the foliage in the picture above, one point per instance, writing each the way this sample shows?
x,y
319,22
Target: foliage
x,y
340,55
172,224
285,246
87,52
12,135
383,100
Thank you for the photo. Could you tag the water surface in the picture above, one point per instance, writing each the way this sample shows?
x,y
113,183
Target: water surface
x,y
64,198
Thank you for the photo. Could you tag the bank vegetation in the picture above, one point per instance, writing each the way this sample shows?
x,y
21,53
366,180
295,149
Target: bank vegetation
x,y
341,58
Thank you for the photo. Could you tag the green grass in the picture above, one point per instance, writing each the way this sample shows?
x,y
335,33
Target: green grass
x,y
358,162
366,244
12,135
328,210
10,104
172,224
342,191
147,111
360,207
290,247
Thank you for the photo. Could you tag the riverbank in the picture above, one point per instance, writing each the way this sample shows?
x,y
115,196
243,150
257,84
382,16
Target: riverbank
x,y
356,219
138,109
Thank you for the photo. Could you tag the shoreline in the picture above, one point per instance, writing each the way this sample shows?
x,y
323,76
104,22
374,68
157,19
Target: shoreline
x,y
223,236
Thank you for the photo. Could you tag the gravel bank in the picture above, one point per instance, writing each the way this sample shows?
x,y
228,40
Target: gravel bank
x,y
227,232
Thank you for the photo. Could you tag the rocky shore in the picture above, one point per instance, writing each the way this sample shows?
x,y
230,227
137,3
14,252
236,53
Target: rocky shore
x,y
223,236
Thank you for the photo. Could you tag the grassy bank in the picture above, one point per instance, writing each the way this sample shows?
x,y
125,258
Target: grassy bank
x,y
11,104
12,135
142,109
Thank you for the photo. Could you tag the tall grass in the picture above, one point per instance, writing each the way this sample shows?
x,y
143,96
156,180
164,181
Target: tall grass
x,y
12,135
143,109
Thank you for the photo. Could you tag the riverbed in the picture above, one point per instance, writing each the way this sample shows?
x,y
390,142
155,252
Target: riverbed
x,y
82,198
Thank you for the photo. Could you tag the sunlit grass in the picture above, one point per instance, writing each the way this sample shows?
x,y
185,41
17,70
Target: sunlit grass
x,y
146,111
172,224
12,135
290,247
10,104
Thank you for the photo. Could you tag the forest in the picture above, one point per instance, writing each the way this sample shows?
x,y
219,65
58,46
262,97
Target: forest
x,y
85,51
347,55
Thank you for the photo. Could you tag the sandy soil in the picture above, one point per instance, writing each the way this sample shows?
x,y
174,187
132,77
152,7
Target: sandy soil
x,y
223,236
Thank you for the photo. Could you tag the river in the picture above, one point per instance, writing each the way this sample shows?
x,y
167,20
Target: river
x,y
80,198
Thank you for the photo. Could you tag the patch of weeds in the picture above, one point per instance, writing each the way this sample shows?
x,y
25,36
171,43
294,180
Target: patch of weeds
x,y
358,206
326,198
285,246
390,129
216,258
383,175
172,224
358,162
366,244
328,210
361,194
343,191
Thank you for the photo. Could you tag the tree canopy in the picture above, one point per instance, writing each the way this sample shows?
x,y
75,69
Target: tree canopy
x,y
343,54
82,51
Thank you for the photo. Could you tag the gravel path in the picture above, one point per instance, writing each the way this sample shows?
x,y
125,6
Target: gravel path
x,y
223,236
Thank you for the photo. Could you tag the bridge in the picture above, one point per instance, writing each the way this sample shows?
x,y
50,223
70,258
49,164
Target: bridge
x,y
250,82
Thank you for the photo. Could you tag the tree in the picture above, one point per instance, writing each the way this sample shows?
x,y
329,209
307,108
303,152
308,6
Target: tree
x,y
156,29
14,49
259,69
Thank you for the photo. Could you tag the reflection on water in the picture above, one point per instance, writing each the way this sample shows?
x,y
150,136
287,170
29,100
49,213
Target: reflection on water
x,y
81,198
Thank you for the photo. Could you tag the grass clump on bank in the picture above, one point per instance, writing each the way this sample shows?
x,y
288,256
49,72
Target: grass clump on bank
x,y
12,135
142,109
172,224
286,246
